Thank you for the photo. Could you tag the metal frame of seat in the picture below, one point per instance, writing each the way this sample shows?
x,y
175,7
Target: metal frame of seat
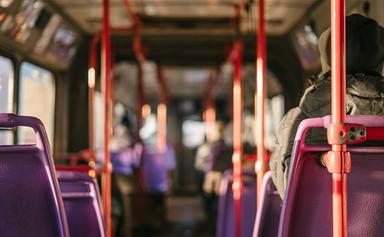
x,y
267,217
80,192
34,163
315,212
226,195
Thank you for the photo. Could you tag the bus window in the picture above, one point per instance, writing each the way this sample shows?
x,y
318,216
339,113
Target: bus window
x,y
98,120
37,99
193,133
6,95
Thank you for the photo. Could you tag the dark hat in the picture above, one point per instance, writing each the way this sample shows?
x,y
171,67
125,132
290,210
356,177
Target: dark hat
x,y
364,45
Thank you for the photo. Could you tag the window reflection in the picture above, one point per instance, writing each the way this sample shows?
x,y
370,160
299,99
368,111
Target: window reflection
x,y
20,25
306,45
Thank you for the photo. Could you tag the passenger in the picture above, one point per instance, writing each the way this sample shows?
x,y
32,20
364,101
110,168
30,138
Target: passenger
x,y
220,160
365,90
125,162
202,163
157,167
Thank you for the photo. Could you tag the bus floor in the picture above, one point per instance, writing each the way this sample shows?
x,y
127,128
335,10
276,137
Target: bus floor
x,y
184,218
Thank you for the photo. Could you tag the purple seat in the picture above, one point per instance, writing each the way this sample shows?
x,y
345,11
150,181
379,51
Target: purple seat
x,y
125,161
155,165
30,200
82,204
268,216
225,220
307,208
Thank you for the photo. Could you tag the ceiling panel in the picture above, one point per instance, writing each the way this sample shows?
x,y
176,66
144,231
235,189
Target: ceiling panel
x,y
281,14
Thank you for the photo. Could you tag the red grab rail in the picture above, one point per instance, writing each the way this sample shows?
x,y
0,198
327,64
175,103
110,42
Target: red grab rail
x,y
162,110
261,62
237,134
339,156
106,79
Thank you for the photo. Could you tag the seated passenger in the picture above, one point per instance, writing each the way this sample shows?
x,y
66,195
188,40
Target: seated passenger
x,y
125,162
365,90
218,160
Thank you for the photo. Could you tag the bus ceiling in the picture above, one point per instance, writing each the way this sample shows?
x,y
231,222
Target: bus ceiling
x,y
202,32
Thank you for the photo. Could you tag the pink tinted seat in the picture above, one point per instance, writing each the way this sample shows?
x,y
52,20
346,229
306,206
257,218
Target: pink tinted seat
x,y
30,199
226,216
268,216
82,204
307,208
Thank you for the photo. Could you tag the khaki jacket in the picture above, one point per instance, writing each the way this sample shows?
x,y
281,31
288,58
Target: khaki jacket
x,y
365,96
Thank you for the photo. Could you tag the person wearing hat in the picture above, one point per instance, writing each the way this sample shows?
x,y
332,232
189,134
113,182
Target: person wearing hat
x,y
365,90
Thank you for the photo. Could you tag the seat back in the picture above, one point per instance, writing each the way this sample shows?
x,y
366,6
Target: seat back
x,y
125,161
307,208
155,164
268,215
82,204
30,200
226,216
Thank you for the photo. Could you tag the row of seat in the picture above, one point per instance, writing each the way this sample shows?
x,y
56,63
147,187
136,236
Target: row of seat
x,y
154,164
225,222
307,207
37,202
261,223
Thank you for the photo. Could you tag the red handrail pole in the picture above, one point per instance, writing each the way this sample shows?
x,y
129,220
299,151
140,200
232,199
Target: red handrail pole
x,y
162,110
339,179
140,99
237,135
92,72
106,78
261,62
162,127
164,93
209,114
77,168
132,15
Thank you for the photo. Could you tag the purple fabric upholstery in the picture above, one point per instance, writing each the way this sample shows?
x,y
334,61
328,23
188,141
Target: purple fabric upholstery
x,y
225,221
307,208
82,204
30,203
267,218
155,165
125,161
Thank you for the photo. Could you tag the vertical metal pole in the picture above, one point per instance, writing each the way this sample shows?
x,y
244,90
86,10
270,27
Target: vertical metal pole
x,y
140,99
162,127
139,123
237,136
106,79
339,180
210,117
259,98
162,111
210,107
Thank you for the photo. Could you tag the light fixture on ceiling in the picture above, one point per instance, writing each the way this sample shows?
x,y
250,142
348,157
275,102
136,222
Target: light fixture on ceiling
x,y
5,3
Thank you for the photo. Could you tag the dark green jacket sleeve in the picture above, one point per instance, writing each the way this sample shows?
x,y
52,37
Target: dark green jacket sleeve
x,y
282,149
